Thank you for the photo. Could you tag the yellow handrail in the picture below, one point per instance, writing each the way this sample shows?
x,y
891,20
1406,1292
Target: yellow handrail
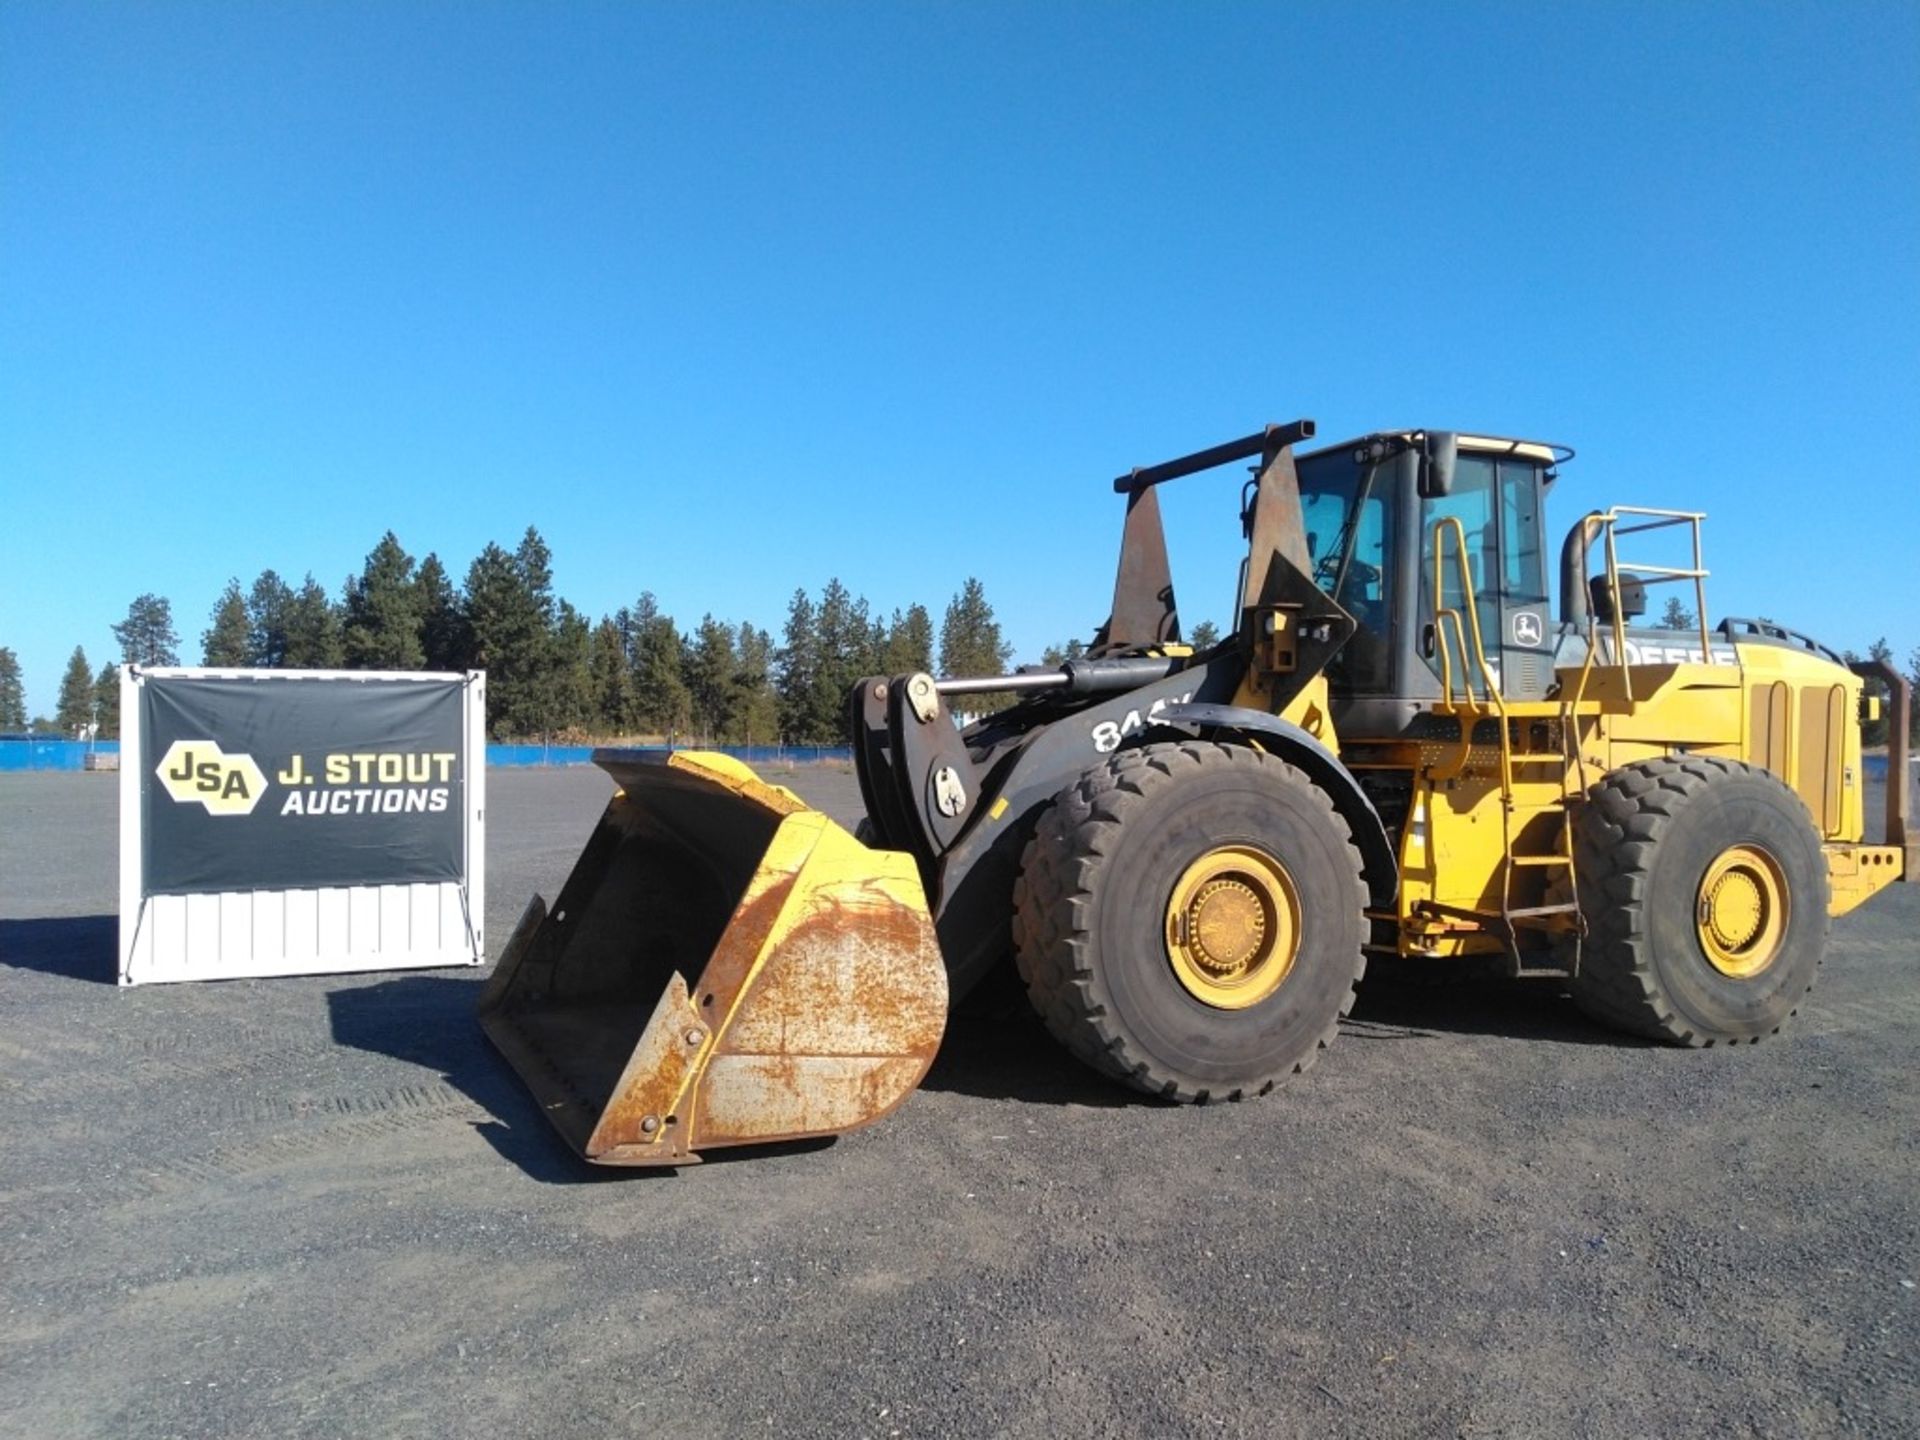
x,y
1446,656
1442,615
1652,519
1451,524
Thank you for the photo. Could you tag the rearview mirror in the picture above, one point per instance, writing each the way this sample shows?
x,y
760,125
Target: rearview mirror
x,y
1438,452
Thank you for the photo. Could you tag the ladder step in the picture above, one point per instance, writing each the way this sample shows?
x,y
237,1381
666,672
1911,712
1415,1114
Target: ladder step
x,y
1528,758
1540,860
1533,912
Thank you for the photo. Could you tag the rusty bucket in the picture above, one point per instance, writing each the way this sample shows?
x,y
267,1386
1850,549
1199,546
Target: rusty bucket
x,y
724,966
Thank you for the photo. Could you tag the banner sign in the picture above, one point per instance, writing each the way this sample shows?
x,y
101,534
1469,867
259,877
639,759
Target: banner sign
x,y
258,786
300,822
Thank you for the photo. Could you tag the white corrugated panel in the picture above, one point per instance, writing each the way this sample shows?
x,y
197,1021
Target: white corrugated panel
x,y
300,932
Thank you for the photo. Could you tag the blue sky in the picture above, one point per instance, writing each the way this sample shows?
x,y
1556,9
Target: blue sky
x,y
727,299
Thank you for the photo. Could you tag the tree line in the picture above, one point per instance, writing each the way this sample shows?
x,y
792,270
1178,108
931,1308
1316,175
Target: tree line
x,y
552,671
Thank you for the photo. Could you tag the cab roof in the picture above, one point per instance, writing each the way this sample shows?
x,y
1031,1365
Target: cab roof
x,y
1545,451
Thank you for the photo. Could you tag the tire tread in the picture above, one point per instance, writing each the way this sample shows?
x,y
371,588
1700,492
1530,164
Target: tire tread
x,y
1617,844
1052,948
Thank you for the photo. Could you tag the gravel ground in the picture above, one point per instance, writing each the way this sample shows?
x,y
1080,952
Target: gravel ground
x,y
323,1207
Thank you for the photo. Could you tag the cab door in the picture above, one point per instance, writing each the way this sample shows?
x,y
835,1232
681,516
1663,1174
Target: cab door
x,y
1496,499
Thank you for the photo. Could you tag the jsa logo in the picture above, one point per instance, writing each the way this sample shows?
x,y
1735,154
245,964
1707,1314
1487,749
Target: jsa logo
x,y
198,770
1108,734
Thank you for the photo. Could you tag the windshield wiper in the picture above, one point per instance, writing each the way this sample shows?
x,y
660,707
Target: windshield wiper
x,y
1349,532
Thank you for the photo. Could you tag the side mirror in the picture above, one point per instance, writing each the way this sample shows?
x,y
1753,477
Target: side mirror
x,y
1438,453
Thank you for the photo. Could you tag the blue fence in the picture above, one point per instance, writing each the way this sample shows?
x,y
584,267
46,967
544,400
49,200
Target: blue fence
x,y
510,756
21,753
18,752
521,755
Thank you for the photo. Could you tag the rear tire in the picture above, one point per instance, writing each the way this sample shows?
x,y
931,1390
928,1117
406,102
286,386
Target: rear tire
x,y
1705,894
1189,919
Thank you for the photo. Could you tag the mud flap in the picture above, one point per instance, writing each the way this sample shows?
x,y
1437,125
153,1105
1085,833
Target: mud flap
x,y
724,966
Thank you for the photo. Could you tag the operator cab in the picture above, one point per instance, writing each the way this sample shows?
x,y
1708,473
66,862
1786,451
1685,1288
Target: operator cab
x,y
1370,508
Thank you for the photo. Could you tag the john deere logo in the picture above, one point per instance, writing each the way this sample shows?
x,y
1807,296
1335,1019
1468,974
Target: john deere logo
x,y
198,770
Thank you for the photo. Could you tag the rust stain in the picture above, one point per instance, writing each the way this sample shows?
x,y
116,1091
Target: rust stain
x,y
753,1099
652,1081
842,1022
847,980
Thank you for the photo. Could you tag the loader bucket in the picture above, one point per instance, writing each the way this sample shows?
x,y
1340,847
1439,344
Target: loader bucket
x,y
724,966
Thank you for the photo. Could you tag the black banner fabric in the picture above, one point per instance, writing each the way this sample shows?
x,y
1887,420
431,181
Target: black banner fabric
x,y
285,784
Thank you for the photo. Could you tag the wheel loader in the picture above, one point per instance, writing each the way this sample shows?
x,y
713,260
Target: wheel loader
x,y
1402,750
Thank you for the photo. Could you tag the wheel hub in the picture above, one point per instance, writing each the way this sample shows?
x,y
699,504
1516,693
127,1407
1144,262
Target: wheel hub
x,y
1226,924
1741,917
1233,926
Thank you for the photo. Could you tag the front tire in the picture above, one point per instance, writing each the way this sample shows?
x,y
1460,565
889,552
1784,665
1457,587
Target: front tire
x,y
1189,919
1705,893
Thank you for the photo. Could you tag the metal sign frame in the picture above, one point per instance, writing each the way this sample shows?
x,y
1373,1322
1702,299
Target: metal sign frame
x,y
334,929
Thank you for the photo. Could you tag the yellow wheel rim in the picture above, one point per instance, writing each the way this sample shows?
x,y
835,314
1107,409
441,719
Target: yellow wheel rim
x,y
1741,918
1233,926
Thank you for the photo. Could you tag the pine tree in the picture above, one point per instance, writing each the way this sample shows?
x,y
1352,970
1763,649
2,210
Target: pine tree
x,y
511,642
844,652
796,668
311,630
445,638
611,678
226,643
970,643
909,645
570,685
1676,616
756,712
709,675
1205,636
534,562
381,626
147,636
1058,655
106,699
269,603
628,630
76,696
661,702
498,617
13,694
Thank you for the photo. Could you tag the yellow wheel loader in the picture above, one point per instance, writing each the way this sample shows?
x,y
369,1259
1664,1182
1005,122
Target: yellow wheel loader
x,y
1400,751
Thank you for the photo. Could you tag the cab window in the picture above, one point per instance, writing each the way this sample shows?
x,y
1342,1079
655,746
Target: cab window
x,y
1524,573
1349,522
1471,502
